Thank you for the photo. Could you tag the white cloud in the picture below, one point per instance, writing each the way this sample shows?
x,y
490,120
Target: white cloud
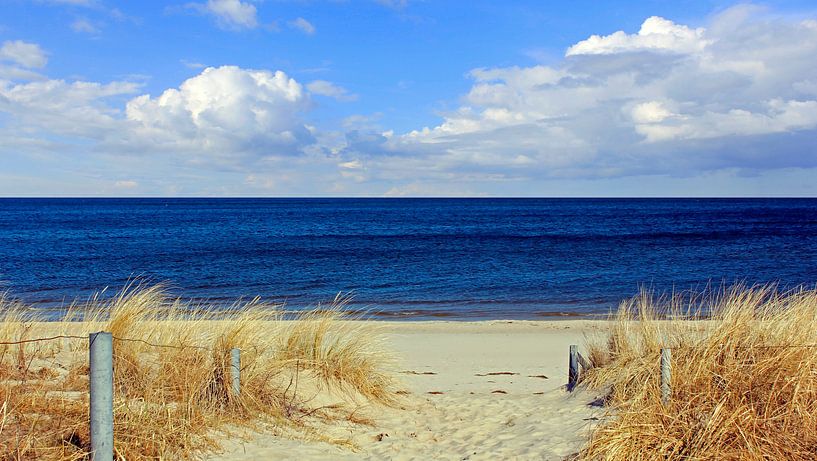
x,y
650,112
670,99
225,116
223,112
12,72
656,34
329,89
83,25
229,14
28,55
57,107
303,25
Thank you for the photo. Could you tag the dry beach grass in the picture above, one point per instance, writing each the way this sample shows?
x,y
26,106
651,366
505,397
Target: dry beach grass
x,y
744,378
172,401
744,382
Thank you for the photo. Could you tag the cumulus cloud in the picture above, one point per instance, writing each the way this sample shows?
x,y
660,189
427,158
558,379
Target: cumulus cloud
x,y
667,99
656,34
303,25
329,89
224,111
229,14
225,116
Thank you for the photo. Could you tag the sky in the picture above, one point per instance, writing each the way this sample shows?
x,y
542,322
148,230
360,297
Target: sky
x,y
399,98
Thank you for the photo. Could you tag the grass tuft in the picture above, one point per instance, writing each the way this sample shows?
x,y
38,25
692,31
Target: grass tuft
x,y
744,377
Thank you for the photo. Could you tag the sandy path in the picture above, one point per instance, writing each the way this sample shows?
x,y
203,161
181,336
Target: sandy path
x,y
507,416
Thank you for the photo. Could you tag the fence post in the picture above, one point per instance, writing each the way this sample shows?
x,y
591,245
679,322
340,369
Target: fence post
x,y
100,353
573,368
235,371
666,375
583,363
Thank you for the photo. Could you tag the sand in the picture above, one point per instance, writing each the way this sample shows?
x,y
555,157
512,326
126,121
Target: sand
x,y
476,390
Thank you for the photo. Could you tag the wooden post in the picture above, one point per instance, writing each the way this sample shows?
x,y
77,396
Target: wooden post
x,y
235,371
666,375
583,362
100,352
573,368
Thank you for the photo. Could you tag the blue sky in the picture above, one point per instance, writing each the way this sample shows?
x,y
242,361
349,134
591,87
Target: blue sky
x,y
518,98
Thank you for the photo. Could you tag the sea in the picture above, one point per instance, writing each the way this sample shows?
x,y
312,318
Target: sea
x,y
470,258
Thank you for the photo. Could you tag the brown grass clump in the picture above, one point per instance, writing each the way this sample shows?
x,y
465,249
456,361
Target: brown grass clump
x,y
744,378
345,357
173,401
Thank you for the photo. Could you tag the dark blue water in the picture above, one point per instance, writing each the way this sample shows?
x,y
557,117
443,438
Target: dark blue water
x,y
489,258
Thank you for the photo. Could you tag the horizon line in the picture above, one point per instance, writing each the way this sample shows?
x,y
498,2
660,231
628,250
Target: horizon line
x,y
380,197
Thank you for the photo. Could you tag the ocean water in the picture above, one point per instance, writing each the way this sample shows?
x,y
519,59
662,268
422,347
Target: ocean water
x,y
407,258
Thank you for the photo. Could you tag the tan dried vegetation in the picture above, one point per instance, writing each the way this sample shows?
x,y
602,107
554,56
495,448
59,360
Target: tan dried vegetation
x,y
744,378
173,402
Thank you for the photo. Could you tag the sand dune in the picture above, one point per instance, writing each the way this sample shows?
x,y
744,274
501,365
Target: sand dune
x,y
476,390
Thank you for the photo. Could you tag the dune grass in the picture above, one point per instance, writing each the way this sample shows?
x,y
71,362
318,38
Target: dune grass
x,y
173,402
744,378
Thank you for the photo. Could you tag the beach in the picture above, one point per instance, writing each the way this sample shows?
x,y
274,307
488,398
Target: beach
x,y
324,386
476,390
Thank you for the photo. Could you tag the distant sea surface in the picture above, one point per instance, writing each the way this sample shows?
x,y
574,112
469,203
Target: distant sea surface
x,y
405,258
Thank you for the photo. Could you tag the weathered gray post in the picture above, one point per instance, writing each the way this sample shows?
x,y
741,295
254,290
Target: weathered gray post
x,y
235,371
573,368
666,375
583,362
101,384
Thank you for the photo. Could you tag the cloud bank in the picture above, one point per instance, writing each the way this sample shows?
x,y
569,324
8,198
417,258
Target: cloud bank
x,y
669,99
736,94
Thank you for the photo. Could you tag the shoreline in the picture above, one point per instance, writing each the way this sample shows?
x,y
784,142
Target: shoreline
x,y
455,310
53,313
